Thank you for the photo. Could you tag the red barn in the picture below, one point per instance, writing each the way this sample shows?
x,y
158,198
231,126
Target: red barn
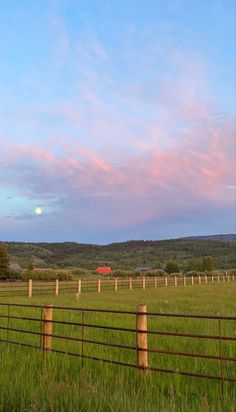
x,y
104,269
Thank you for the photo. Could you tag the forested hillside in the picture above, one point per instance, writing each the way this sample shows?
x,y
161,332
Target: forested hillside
x,y
126,254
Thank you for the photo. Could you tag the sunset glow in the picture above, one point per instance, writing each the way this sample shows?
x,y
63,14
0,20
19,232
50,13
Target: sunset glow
x,y
119,117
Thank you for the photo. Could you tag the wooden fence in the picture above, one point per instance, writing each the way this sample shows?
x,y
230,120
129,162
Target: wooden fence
x,y
44,327
57,287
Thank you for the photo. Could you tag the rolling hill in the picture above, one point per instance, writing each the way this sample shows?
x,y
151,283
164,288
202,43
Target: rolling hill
x,y
126,254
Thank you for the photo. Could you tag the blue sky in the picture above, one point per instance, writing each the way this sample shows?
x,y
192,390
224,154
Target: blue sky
x,y
117,118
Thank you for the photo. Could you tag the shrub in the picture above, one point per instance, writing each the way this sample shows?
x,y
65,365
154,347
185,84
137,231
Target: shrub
x,y
47,275
172,267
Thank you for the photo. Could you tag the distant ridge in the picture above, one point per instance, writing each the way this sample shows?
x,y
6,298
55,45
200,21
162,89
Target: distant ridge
x,y
129,254
224,238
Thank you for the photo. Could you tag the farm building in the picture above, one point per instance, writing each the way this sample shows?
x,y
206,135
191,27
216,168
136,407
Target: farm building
x,y
104,269
143,268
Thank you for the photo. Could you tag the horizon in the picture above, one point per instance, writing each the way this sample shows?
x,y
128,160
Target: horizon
x,y
117,120
127,241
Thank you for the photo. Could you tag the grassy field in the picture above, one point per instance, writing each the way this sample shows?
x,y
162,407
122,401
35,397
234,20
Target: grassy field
x,y
31,382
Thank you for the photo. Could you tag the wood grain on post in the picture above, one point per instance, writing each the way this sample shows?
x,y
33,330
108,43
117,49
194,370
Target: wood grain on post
x,y
99,285
144,282
57,287
47,327
130,283
30,288
142,338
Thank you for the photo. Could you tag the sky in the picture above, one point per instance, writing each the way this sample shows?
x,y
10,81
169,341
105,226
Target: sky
x,y
117,119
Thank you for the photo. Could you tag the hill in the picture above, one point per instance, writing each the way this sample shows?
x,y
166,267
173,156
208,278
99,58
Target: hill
x,y
128,254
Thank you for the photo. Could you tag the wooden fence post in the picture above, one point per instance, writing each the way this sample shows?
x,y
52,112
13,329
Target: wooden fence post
x,y
116,284
99,285
192,280
130,283
166,281
212,278
47,327
218,278
78,287
176,281
205,278
199,279
144,282
155,282
57,287
30,288
142,338
184,280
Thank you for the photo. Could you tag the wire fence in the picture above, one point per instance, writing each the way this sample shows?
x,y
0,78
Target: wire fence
x,y
127,338
29,288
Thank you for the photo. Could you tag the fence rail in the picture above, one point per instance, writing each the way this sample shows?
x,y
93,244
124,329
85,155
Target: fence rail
x,y
140,339
57,287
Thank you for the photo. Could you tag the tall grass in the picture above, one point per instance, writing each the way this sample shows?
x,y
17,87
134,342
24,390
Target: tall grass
x,y
30,381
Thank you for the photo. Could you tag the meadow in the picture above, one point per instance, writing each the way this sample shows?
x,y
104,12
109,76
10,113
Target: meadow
x,y
33,382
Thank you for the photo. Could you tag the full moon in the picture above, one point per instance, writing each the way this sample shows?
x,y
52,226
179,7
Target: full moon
x,y
38,211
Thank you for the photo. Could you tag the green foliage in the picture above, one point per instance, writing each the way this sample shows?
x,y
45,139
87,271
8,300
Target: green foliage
x,y
207,263
30,266
4,262
126,255
172,267
46,275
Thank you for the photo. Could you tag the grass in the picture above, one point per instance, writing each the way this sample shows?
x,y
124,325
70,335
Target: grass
x,y
30,381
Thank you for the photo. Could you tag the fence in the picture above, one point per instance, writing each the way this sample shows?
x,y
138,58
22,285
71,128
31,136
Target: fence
x,y
141,338
98,285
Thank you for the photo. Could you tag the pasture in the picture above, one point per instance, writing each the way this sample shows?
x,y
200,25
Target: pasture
x,y
32,381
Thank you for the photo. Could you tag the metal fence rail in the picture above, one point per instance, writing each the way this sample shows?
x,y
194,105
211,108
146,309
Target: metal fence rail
x,y
143,337
8,289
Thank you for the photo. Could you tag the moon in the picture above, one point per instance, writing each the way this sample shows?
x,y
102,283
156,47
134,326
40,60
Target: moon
x,y
38,211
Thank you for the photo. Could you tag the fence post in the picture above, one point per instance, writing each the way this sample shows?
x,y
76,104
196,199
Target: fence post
x,y
218,278
155,282
30,288
130,283
78,287
142,338
47,327
99,286
166,281
212,278
144,282
199,279
116,284
184,280
205,278
176,281
57,287
192,280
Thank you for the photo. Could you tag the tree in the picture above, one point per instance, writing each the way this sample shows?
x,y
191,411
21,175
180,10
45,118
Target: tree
x,y
207,263
172,267
4,262
30,265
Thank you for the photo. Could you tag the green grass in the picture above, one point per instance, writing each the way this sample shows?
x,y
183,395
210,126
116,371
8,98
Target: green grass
x,y
30,381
